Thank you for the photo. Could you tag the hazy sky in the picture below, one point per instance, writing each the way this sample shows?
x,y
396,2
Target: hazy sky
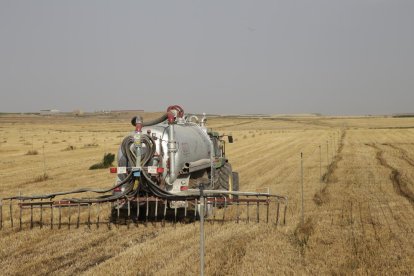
x,y
224,56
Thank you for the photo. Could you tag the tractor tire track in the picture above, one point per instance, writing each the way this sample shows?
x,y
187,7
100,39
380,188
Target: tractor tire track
x,y
399,184
322,196
328,176
404,154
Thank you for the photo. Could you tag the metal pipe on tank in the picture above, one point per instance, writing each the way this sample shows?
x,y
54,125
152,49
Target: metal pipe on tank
x,y
172,149
196,165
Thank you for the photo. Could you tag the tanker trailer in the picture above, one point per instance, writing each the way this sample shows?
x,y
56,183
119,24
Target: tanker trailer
x,y
169,156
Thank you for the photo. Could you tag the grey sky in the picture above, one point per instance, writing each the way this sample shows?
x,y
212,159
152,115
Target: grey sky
x,y
224,56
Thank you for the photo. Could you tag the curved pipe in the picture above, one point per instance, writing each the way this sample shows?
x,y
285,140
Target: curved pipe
x,y
190,119
152,122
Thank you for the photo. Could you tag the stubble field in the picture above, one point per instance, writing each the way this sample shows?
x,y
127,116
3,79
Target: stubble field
x,y
358,199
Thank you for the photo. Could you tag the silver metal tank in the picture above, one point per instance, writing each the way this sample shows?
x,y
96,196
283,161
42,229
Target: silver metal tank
x,y
193,147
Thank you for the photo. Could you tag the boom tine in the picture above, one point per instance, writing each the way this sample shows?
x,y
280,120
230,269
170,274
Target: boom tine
x,y
60,216
78,221
137,210
165,212
257,210
31,215
215,206
284,215
98,207
117,212
248,209
129,212
175,215
51,216
11,213
41,214
267,209
224,211
156,210
89,215
277,212
195,209
110,216
69,215
185,208
238,211
20,216
147,211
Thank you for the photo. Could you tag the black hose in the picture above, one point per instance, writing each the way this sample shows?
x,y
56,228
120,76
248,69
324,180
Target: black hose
x,y
83,190
149,143
152,122
128,189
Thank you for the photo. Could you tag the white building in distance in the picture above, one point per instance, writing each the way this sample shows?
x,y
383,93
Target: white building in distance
x,y
49,111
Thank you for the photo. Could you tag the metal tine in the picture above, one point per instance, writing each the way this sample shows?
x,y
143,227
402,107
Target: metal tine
x,y
165,212
284,215
267,209
51,216
78,221
225,207
98,210
1,213
238,211
117,212
185,208
258,210
156,210
248,210
41,213
214,211
69,214
89,215
147,211
195,209
20,216
129,212
31,215
175,215
137,210
111,205
60,216
277,212
11,213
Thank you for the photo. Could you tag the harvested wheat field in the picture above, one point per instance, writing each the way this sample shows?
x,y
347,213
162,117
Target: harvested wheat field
x,y
358,199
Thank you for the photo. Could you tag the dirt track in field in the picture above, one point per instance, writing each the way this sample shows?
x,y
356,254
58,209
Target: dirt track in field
x,y
399,183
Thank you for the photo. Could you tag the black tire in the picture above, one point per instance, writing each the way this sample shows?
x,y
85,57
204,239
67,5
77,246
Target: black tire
x,y
235,184
223,175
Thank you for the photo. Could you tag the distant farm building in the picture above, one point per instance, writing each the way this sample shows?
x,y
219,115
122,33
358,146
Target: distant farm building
x,y
78,112
49,112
